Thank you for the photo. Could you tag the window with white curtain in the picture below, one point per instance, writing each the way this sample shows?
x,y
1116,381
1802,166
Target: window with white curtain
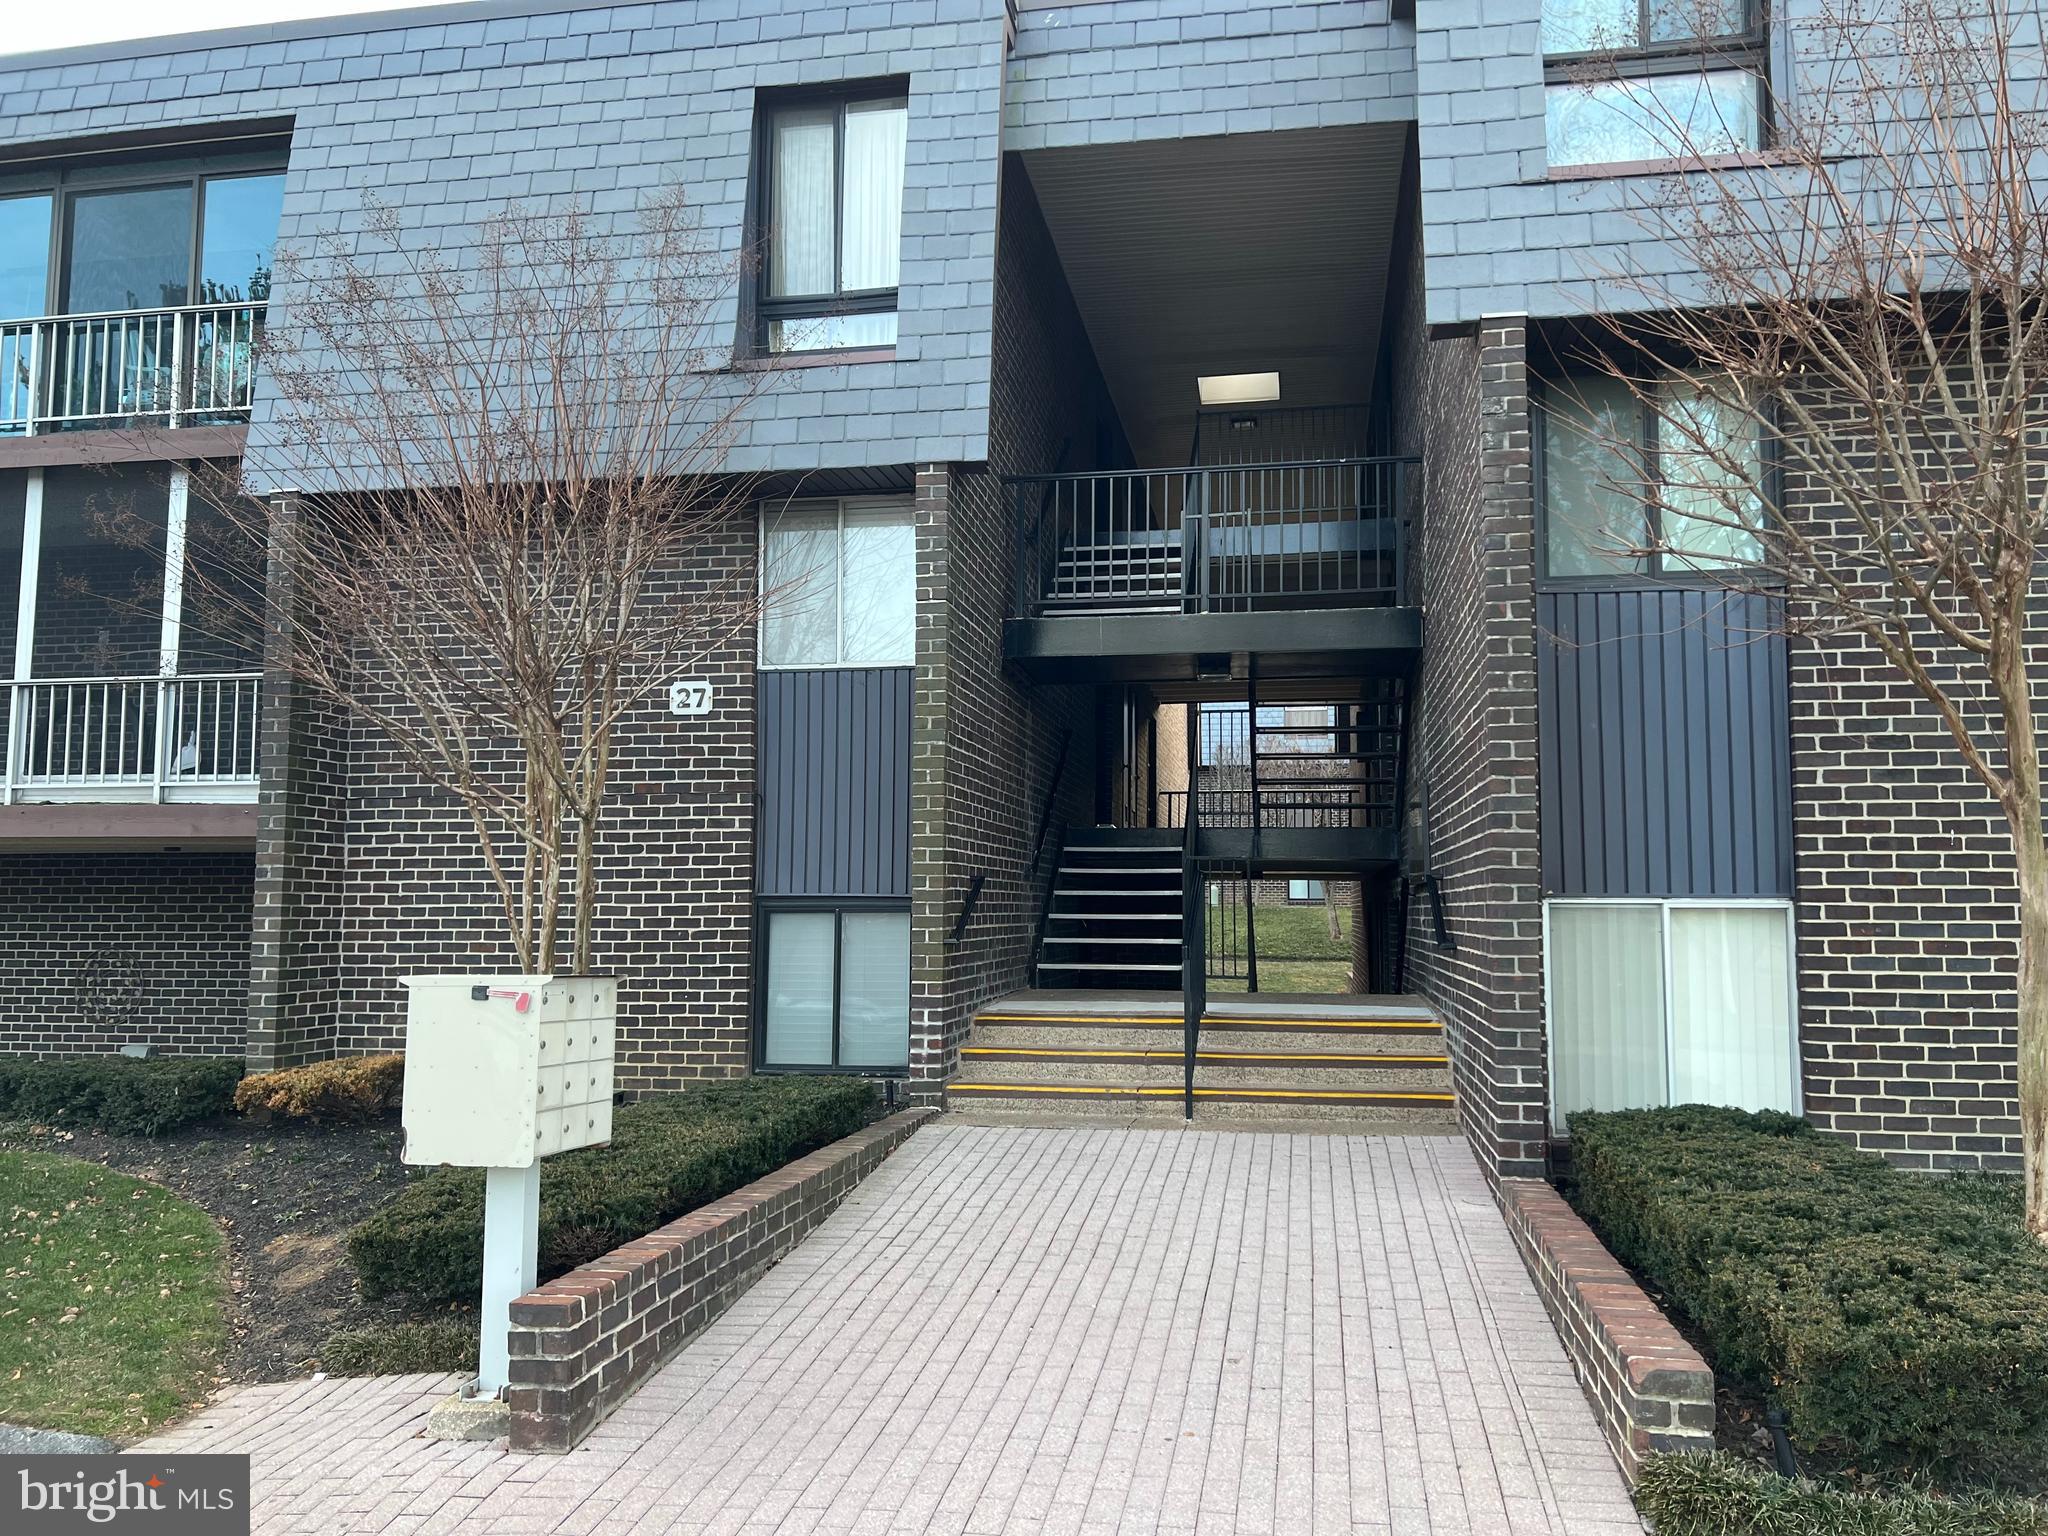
x,y
837,990
1670,1002
839,583
832,201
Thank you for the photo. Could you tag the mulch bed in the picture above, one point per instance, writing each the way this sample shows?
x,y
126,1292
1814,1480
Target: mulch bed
x,y
286,1195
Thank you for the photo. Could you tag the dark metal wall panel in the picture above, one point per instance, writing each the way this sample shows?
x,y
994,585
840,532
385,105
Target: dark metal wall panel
x,y
1663,718
835,783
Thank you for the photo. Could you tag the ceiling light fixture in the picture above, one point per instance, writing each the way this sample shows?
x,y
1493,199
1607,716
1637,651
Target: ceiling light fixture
x,y
1238,388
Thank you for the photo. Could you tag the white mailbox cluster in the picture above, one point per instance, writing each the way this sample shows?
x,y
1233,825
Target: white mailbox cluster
x,y
501,1071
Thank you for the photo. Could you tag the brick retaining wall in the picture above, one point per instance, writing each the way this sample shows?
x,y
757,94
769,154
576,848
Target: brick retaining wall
x,y
1650,1389
581,1344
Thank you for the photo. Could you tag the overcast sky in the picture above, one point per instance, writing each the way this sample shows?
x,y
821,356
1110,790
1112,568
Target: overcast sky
x,y
33,25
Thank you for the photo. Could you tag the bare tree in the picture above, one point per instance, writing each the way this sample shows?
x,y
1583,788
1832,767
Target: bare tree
x,y
513,521
1846,386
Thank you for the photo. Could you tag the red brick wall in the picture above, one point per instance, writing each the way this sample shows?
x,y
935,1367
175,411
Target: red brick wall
x,y
1649,1389
582,1344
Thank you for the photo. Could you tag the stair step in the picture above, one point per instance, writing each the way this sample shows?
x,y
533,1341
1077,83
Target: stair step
x,y
1299,1096
1107,938
1160,869
1285,1060
1084,1034
1115,916
1121,848
1062,892
1100,965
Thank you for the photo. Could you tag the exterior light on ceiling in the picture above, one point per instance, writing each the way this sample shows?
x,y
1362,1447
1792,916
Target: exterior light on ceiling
x,y
1238,388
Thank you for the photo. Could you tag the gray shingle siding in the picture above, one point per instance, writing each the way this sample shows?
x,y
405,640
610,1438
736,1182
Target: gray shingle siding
x,y
1101,73
1500,235
452,120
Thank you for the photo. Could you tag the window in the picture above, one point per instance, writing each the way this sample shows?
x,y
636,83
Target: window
x,y
1304,890
124,244
832,201
24,256
1634,80
135,248
837,990
839,579
1670,1002
1631,490
130,248
154,240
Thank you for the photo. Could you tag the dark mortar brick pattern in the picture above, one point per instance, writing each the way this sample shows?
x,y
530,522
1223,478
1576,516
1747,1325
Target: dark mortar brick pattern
x,y
366,876
984,744
1476,730
100,950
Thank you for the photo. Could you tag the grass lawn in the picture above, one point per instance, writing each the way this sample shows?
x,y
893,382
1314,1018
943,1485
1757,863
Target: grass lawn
x,y
113,1298
1296,952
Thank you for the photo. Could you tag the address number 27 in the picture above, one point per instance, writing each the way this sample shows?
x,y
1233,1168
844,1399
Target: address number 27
x,y
691,696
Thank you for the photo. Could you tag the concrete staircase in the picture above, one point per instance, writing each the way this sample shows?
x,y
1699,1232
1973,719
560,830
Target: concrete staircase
x,y
1355,1069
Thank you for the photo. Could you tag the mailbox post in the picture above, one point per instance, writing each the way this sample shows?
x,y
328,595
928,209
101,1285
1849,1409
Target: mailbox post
x,y
501,1071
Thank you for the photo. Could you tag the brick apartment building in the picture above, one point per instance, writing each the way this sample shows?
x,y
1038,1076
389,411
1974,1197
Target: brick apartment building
x,y
1172,375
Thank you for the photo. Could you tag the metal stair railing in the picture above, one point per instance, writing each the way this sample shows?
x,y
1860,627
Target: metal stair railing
x,y
1194,944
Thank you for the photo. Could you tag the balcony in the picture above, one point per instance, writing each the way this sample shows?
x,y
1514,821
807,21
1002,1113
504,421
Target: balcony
x,y
161,740
132,641
191,365
1153,575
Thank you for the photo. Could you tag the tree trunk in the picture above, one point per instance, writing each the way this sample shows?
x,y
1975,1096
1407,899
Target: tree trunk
x,y
2033,1030
585,888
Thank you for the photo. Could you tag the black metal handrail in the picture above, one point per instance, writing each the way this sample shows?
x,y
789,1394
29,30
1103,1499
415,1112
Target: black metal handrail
x,y
967,907
1215,538
1194,951
1051,878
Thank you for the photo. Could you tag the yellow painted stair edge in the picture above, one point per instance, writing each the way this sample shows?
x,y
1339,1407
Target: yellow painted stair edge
x,y
1322,1095
1276,1058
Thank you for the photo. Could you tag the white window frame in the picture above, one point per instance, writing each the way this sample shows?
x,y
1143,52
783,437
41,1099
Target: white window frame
x,y
1665,905
843,504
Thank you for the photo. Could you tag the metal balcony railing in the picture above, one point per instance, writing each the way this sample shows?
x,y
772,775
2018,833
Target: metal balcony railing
x,y
186,366
134,738
1215,539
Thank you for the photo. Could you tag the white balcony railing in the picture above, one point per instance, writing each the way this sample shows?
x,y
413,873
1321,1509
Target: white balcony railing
x,y
192,365
134,738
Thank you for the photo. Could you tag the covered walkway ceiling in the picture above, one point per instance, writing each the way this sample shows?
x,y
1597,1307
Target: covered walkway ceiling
x,y
1241,253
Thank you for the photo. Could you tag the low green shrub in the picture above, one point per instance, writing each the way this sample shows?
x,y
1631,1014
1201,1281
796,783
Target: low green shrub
x,y
1724,1496
402,1349
667,1155
118,1093
1900,1318
346,1090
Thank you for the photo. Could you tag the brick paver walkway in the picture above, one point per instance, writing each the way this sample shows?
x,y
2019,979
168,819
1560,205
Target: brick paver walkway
x,y
1012,1330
